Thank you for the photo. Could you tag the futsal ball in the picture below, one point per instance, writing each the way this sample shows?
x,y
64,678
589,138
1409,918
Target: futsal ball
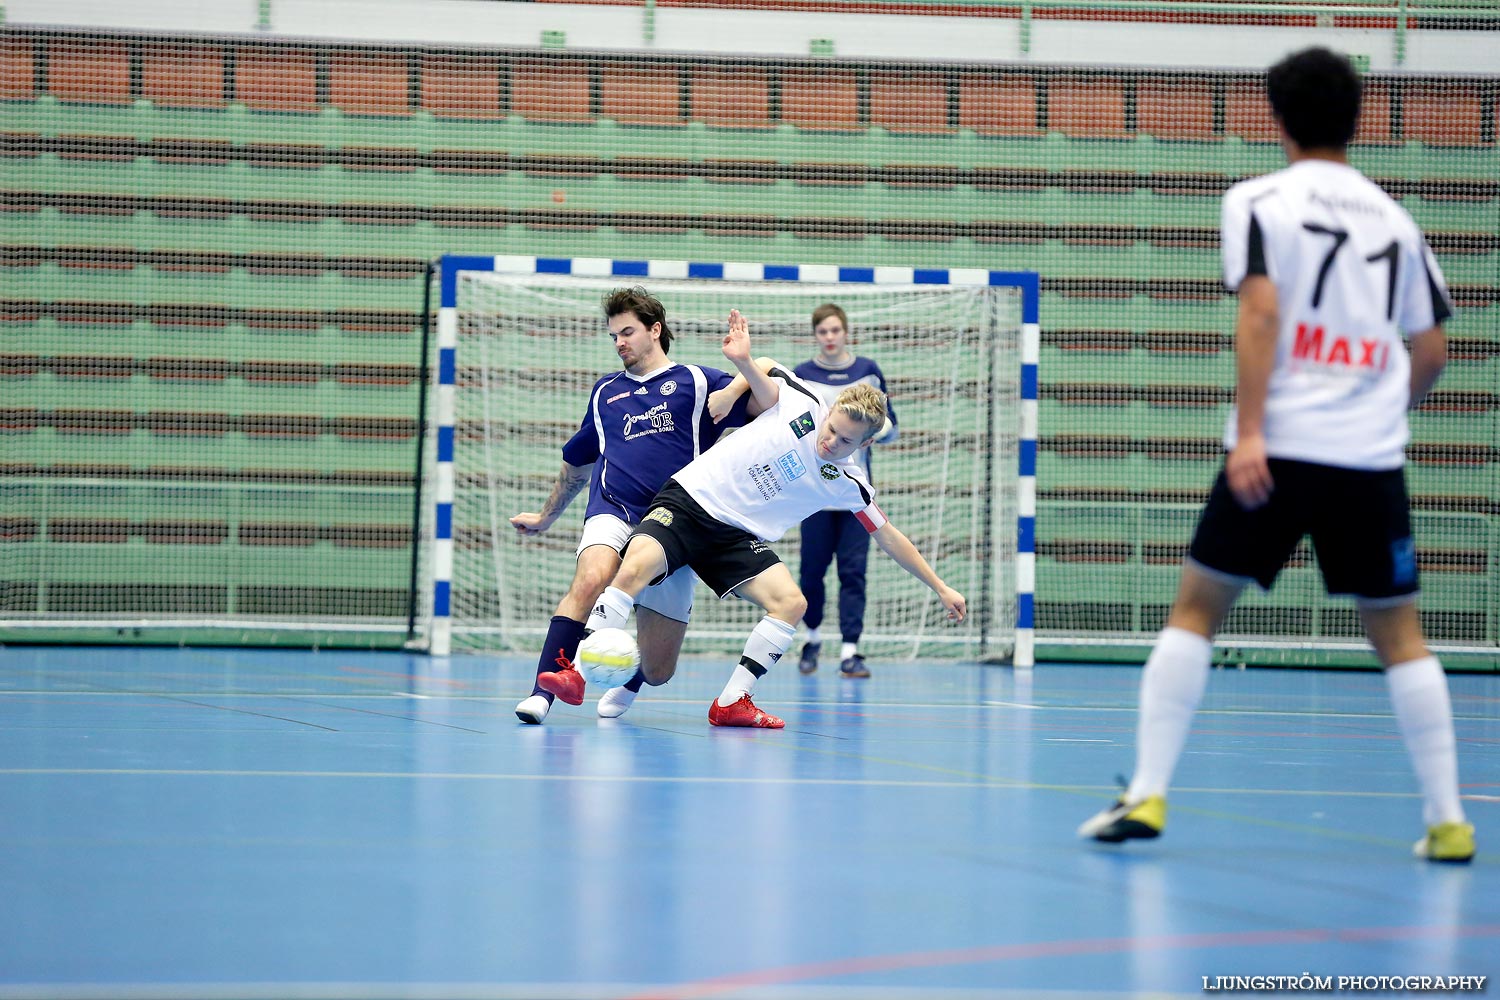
x,y
608,657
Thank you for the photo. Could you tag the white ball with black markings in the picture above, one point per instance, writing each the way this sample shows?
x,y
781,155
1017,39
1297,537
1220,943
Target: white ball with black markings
x,y
608,657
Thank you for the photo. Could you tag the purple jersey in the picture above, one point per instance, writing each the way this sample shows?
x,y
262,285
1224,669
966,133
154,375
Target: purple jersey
x,y
639,430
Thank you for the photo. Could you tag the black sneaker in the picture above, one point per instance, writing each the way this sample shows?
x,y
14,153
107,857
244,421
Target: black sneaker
x,y
1124,820
854,666
808,664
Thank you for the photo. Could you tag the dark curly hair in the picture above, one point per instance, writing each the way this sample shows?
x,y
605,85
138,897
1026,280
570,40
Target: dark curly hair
x,y
647,308
1315,93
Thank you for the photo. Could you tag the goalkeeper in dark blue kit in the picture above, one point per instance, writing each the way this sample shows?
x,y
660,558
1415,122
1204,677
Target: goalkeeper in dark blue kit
x,y
830,534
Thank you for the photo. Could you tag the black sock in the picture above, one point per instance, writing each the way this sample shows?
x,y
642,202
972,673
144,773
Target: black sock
x,y
563,637
635,682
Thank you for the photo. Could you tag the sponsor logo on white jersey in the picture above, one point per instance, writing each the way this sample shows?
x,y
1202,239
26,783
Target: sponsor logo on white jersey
x,y
791,466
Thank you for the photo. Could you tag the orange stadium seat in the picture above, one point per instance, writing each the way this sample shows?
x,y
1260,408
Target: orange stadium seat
x,y
912,103
1444,113
998,103
461,86
364,83
822,99
1175,109
550,90
93,72
731,96
17,69
1246,113
183,76
641,93
1087,107
1375,114
276,79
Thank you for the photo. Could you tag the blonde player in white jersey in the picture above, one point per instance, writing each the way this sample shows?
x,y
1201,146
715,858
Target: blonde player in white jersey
x,y
719,513
1330,273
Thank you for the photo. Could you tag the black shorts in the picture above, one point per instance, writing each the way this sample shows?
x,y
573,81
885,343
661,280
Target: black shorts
x,y
1359,520
722,555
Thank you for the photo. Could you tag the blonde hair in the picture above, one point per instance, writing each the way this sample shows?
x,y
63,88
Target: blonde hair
x,y
864,403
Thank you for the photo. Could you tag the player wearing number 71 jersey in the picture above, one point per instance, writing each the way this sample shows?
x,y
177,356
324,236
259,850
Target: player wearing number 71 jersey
x,y
1331,274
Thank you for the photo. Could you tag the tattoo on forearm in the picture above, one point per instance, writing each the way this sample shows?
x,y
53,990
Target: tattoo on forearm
x,y
569,482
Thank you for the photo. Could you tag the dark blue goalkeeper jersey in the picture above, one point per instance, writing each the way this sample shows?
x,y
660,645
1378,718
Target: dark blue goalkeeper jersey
x,y
829,382
639,430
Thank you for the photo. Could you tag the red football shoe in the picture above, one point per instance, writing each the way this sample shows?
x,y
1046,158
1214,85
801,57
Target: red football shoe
x,y
565,683
741,713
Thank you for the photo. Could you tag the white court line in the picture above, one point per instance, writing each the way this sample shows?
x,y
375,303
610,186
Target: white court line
x,y
694,702
997,784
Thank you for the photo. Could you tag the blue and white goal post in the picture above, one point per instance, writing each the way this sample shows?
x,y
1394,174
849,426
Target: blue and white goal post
x,y
520,342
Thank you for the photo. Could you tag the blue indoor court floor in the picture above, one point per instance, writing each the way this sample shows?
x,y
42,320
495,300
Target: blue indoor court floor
x,y
238,823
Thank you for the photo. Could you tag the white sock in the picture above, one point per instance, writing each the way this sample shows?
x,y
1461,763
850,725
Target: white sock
x,y
1171,688
814,636
848,650
768,642
612,610
1424,714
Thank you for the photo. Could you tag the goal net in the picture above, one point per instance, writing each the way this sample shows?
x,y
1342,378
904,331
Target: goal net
x,y
529,347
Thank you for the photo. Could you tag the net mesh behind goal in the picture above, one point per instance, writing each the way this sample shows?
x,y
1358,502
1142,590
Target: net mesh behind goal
x,y
529,349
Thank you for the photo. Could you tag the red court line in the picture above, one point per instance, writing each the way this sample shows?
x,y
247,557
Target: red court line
x,y
1049,949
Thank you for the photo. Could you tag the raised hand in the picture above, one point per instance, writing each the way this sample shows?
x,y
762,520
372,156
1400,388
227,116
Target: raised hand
x,y
737,340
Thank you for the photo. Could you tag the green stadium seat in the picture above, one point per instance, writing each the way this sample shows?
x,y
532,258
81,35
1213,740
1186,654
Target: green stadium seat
x,y
1220,160
1122,471
1141,419
1454,214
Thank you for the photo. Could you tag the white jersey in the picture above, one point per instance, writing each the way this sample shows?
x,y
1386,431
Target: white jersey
x,y
1353,276
768,475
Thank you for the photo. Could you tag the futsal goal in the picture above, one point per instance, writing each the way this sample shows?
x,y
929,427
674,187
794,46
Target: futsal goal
x,y
521,340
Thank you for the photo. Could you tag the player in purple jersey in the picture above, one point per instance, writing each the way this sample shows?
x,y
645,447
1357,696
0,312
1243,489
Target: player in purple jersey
x,y
830,533
642,424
